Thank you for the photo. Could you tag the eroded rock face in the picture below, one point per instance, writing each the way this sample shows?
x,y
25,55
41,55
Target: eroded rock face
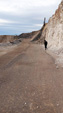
x,y
6,38
54,29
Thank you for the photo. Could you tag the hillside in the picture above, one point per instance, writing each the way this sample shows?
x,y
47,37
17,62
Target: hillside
x,y
15,39
54,29
27,35
6,38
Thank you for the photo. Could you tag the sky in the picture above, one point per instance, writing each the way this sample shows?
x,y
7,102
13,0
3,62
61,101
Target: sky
x,y
23,16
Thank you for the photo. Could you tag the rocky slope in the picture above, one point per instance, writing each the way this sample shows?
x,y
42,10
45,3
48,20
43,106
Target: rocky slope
x,y
15,39
6,38
53,31
27,35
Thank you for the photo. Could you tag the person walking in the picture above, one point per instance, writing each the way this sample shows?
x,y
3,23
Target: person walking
x,y
45,44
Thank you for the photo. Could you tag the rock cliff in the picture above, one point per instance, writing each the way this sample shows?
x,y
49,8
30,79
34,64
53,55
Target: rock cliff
x,y
54,29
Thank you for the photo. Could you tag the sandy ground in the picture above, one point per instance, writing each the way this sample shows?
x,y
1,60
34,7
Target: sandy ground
x,y
30,81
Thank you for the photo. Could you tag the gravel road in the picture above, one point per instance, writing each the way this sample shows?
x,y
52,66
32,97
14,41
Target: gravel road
x,y
30,81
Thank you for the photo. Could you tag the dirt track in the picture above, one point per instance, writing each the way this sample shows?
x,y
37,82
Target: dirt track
x,y
30,81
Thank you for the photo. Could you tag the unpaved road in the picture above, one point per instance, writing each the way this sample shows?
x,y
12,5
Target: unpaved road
x,y
30,81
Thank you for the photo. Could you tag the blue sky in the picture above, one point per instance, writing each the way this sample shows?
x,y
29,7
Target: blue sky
x,y
21,16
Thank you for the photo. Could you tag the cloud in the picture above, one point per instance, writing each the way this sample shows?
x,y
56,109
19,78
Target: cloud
x,y
24,6
24,15
6,21
38,25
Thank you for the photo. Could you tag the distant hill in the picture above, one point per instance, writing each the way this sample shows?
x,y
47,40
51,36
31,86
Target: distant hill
x,y
18,38
27,35
6,38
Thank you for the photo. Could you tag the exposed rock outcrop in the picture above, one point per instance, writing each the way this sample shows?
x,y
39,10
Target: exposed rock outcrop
x,y
27,35
6,38
54,29
18,38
